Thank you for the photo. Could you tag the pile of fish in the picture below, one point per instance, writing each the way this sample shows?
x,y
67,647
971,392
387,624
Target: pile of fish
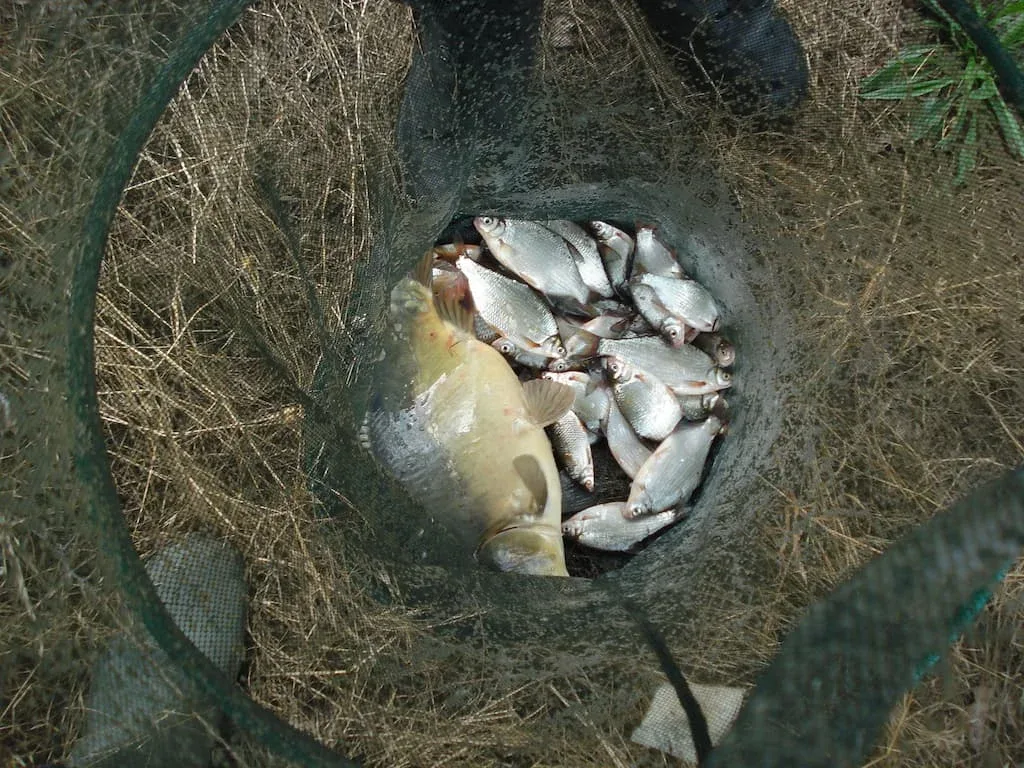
x,y
614,317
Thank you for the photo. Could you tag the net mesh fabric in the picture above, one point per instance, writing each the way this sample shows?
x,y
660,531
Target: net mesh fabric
x,y
875,308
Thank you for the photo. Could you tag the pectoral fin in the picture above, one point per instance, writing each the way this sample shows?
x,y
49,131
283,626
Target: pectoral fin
x,y
547,401
533,478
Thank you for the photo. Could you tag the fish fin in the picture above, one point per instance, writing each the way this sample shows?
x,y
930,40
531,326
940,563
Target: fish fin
x,y
547,401
532,475
451,309
424,271
574,306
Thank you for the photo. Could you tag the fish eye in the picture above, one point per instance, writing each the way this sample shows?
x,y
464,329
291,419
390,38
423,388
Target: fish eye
x,y
724,376
505,347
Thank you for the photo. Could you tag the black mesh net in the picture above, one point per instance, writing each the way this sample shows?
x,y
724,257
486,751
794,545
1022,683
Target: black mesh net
x,y
205,208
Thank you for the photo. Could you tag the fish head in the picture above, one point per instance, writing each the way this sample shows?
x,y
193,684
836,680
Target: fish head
x,y
721,379
601,230
618,369
489,226
725,353
552,347
559,365
535,550
505,346
636,509
674,331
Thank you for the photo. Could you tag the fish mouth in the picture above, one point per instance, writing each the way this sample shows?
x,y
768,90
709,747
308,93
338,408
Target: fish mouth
x,y
530,549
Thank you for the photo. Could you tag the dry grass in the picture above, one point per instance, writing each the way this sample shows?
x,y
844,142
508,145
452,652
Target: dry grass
x,y
908,308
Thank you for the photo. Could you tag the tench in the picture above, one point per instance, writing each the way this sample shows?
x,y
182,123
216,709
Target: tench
x,y
454,425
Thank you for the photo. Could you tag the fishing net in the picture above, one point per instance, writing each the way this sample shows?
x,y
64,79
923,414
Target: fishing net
x,y
204,207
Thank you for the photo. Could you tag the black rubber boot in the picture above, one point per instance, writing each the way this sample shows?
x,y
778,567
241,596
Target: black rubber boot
x,y
742,49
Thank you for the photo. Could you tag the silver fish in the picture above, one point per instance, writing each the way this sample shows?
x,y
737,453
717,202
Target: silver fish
x,y
646,402
592,396
657,314
512,308
530,357
686,299
672,473
653,256
453,424
484,331
685,370
588,260
577,340
615,248
697,407
720,348
626,447
535,253
606,527
571,444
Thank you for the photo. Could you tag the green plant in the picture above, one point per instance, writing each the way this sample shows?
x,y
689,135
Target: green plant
x,y
955,83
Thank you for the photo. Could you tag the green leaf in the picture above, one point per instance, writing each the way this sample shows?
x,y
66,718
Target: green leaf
x,y
1009,126
1010,9
929,116
1014,36
939,11
968,156
909,90
986,90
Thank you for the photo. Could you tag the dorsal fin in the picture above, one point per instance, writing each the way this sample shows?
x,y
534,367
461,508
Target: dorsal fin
x,y
451,310
533,478
424,271
547,401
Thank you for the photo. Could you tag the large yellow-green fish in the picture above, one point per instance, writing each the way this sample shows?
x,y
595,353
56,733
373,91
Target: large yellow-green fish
x,y
456,427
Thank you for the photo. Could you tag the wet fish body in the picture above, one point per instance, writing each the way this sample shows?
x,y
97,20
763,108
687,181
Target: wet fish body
x,y
648,404
592,396
673,471
588,260
453,424
615,247
625,445
571,444
535,253
606,527
512,308
697,407
687,300
718,347
653,256
670,326
685,370
529,357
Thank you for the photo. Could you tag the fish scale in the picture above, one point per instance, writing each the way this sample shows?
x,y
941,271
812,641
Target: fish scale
x,y
686,370
673,471
605,526
535,253
572,448
511,307
589,263
647,403
686,299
